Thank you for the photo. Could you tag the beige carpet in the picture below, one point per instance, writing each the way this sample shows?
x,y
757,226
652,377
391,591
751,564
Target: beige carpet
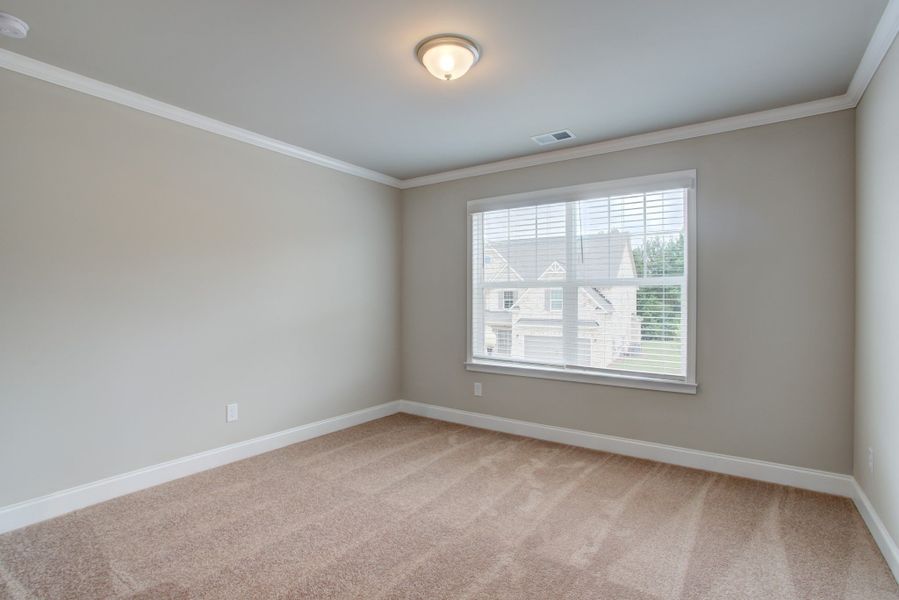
x,y
406,507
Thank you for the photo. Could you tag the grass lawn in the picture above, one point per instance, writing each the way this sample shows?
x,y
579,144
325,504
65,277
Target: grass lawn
x,y
655,356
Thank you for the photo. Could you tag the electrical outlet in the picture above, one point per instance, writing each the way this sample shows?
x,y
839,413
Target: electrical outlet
x,y
871,460
477,390
231,413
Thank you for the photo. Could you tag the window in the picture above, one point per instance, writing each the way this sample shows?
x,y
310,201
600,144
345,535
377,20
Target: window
x,y
504,342
600,277
555,299
508,299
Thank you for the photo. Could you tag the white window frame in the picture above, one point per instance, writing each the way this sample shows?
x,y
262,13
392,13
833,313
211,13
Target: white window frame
x,y
553,301
511,302
678,179
505,332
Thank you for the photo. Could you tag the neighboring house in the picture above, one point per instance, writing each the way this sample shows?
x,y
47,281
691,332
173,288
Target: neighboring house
x,y
526,323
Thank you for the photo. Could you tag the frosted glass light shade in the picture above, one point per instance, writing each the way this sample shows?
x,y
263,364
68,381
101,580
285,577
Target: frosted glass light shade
x,y
448,57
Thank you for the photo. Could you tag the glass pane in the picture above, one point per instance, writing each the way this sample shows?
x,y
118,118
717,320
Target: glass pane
x,y
634,328
608,325
660,251
524,243
530,330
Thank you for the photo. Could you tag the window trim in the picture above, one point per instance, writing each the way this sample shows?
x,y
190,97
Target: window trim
x,y
686,179
511,302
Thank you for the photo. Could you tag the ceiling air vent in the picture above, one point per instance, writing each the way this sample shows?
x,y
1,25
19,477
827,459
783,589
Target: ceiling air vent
x,y
555,137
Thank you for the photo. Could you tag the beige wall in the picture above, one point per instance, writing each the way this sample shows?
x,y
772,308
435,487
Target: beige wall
x,y
877,268
150,273
775,298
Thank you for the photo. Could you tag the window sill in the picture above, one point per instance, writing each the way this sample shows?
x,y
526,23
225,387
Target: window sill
x,y
629,381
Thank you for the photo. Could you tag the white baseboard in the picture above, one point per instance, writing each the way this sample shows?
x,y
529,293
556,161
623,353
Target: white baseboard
x,y
58,503
809,479
52,505
884,540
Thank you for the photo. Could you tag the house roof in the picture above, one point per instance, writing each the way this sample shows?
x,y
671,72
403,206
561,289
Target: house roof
x,y
532,258
553,322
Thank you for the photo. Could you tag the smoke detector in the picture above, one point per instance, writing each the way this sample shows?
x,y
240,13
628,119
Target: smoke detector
x,y
13,27
554,137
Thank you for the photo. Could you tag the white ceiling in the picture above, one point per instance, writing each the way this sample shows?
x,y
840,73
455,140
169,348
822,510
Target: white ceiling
x,y
340,78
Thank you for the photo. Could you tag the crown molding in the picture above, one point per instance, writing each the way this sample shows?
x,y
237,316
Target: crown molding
x,y
766,117
881,40
73,81
880,43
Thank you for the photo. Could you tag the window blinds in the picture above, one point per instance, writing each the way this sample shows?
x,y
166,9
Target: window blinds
x,y
592,284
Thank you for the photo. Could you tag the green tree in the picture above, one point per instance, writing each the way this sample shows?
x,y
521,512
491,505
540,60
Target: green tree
x,y
659,306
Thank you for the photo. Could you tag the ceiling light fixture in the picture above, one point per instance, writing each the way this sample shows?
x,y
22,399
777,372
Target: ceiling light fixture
x,y
447,57
13,27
